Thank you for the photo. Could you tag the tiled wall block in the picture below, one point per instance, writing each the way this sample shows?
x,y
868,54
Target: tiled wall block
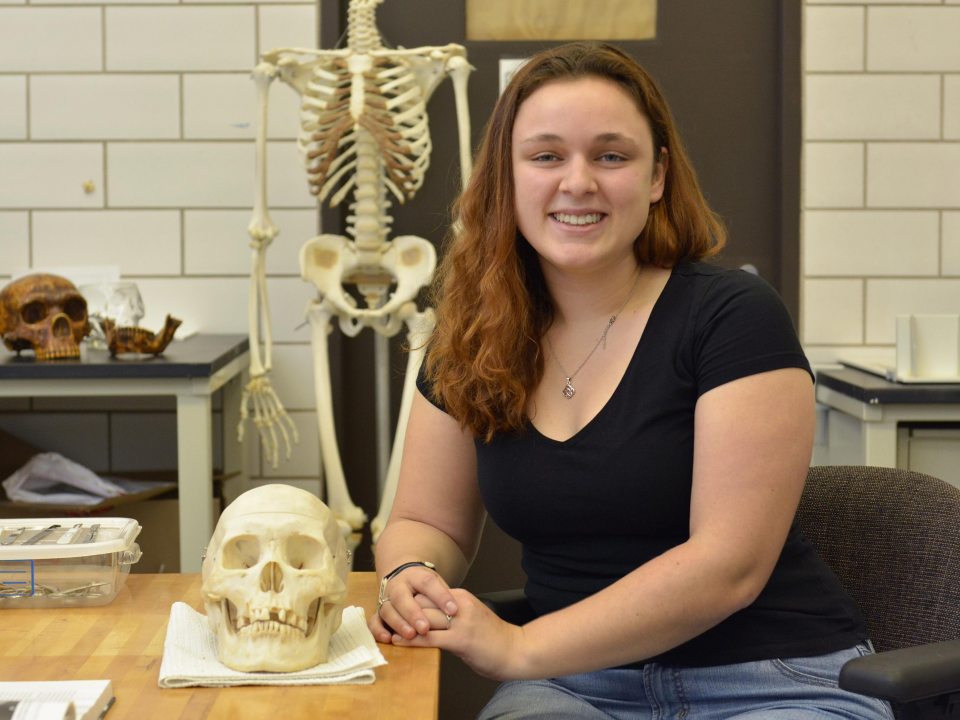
x,y
882,107
833,312
140,242
913,175
853,243
224,106
913,38
951,107
13,107
51,39
44,175
143,441
217,242
951,243
180,38
833,38
81,437
203,304
293,381
833,175
177,174
14,241
888,298
202,174
288,305
288,26
107,106
304,459
219,304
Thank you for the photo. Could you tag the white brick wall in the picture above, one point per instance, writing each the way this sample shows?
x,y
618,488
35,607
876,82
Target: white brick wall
x,y
126,138
881,170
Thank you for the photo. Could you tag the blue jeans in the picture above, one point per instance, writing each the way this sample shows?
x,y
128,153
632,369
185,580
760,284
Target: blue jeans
x,y
782,689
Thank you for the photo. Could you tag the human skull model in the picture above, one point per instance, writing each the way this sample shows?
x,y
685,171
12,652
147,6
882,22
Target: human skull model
x,y
45,313
275,580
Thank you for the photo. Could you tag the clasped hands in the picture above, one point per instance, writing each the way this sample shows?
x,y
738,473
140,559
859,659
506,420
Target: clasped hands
x,y
421,610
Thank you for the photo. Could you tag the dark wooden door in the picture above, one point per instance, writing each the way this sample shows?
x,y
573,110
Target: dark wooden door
x,y
731,72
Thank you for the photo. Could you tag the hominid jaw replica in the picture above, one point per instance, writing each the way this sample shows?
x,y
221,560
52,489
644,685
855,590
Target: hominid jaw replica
x,y
363,131
45,313
127,339
275,580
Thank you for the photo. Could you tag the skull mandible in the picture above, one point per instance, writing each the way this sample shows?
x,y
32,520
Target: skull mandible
x,y
43,312
275,580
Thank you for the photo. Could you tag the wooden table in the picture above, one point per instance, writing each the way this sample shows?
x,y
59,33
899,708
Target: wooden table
x,y
123,641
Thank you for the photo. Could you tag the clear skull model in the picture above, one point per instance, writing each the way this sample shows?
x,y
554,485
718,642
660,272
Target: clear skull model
x,y
275,580
45,313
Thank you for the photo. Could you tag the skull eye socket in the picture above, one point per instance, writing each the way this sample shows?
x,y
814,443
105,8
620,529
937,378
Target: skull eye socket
x,y
75,309
241,553
33,312
305,553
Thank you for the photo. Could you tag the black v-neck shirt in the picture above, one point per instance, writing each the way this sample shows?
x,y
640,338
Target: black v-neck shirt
x,y
592,508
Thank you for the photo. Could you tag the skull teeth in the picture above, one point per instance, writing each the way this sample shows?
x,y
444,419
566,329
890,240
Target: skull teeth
x,y
270,620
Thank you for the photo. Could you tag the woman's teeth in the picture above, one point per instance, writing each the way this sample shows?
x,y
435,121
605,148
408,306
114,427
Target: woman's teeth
x,y
588,219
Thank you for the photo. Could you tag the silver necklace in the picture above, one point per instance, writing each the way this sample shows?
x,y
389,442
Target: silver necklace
x,y
568,389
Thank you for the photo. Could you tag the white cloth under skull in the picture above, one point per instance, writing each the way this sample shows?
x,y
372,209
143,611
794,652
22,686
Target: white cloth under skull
x,y
275,580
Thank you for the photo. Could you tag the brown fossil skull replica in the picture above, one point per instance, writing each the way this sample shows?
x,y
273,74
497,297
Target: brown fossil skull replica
x,y
45,313
275,580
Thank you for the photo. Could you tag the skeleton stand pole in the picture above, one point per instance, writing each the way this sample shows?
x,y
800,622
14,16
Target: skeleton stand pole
x,y
419,327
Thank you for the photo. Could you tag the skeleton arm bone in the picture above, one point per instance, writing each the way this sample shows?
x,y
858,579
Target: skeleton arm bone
x,y
268,411
460,71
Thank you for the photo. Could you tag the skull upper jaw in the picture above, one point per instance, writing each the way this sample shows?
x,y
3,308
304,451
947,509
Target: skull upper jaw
x,y
262,641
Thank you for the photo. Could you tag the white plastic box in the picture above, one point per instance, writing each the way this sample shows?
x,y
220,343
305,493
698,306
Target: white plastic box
x,y
80,562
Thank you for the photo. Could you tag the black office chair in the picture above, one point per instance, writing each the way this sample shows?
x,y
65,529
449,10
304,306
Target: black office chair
x,y
893,539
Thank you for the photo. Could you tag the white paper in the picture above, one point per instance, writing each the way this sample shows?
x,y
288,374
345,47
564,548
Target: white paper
x,y
190,656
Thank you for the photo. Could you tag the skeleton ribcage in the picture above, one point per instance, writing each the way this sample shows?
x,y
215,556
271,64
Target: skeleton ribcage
x,y
390,129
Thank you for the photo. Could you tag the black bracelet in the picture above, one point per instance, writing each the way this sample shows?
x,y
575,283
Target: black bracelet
x,y
382,595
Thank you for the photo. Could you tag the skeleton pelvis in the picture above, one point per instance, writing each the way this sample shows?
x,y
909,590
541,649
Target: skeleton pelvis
x,y
332,262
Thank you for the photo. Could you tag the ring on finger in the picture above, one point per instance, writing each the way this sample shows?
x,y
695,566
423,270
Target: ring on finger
x,y
381,603
449,621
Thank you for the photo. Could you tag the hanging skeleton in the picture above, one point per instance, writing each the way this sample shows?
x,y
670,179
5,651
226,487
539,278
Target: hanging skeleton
x,y
363,130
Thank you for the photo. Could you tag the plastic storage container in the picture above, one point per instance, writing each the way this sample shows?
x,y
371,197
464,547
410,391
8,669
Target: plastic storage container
x,y
65,562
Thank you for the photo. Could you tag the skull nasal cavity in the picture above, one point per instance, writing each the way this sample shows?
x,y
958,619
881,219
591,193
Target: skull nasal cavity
x,y
271,578
61,326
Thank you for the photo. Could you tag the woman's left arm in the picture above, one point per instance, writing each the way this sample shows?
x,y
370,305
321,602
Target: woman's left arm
x,y
752,447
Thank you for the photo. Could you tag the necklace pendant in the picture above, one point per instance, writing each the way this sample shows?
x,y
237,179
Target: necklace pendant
x,y
568,390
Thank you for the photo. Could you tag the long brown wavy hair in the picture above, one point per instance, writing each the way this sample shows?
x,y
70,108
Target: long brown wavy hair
x,y
492,303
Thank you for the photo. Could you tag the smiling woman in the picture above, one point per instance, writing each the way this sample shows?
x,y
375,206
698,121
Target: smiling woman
x,y
654,487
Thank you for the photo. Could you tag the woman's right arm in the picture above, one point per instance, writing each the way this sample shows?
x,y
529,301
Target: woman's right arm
x,y
437,516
